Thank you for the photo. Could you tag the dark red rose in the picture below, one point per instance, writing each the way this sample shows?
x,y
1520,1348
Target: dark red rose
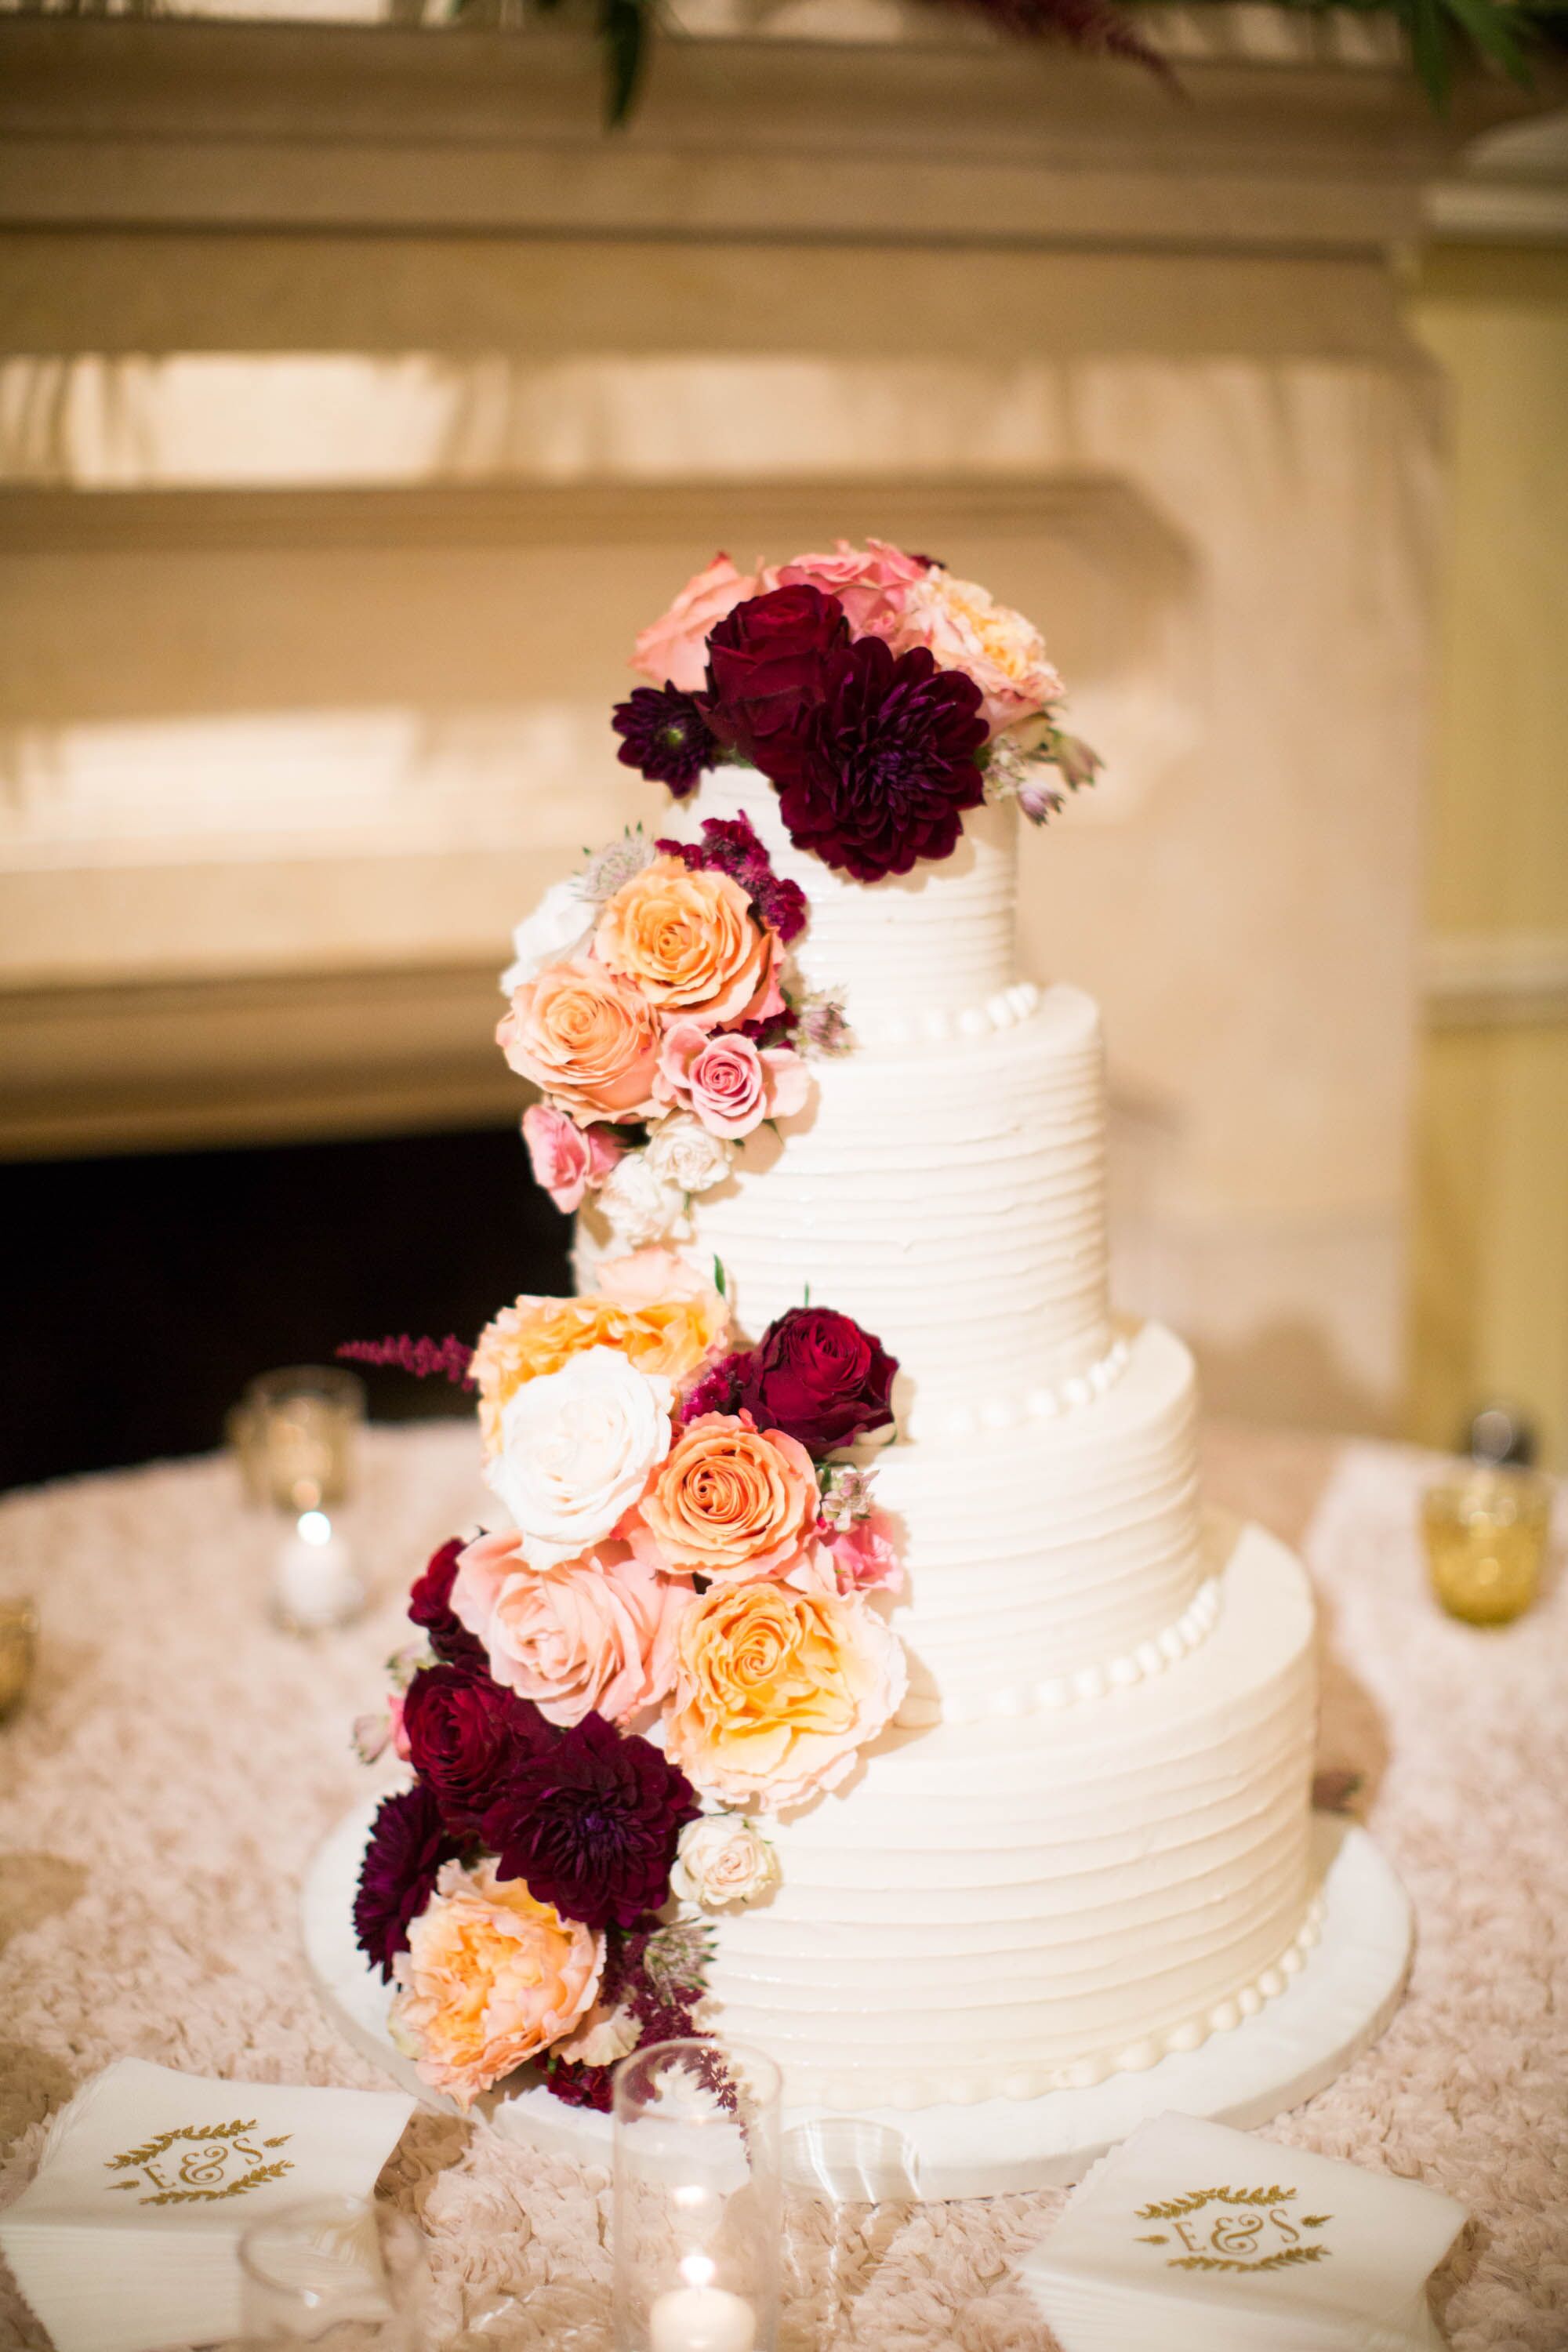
x,y
430,1608
408,1844
766,668
591,1823
819,1377
464,1734
886,766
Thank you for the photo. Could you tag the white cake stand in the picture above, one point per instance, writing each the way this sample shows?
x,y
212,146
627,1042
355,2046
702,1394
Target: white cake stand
x,y
1337,2004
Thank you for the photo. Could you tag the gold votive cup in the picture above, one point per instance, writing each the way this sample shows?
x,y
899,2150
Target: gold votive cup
x,y
296,1436
1486,1532
18,1653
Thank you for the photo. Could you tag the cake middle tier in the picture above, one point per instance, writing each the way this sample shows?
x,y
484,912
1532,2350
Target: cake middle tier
x,y
951,1199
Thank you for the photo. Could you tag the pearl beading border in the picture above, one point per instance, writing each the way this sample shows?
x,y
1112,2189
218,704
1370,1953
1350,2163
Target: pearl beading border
x,y
935,1026
1086,1683
1001,1414
808,2086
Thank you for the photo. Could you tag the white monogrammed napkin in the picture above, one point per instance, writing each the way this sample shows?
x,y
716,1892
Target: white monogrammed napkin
x,y
127,2238
1197,2238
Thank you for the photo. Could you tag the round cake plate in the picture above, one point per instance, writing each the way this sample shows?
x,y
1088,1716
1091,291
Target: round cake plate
x,y
1333,2007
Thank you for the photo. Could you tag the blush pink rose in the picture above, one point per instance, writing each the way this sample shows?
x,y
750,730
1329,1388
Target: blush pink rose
x,y
963,627
727,1082
568,1159
587,1039
873,587
593,1633
865,1556
674,650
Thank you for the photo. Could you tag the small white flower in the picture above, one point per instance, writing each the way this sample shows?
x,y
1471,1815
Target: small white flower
x,y
578,1447
639,1206
847,1495
683,1154
558,926
722,1860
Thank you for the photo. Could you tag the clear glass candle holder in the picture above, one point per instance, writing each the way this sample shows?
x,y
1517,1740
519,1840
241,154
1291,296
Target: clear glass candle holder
x,y
340,2273
1487,1531
697,2210
295,1437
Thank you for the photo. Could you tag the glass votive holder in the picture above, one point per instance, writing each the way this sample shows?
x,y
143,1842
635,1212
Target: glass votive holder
x,y
1486,1531
296,1436
18,1653
341,2274
697,2212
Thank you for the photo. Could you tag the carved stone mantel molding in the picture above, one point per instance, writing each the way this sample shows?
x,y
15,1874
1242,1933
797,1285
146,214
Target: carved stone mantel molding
x,y
821,118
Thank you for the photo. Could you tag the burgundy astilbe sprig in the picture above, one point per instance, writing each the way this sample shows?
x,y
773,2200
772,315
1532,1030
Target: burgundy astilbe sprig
x,y
730,845
1097,26
425,1358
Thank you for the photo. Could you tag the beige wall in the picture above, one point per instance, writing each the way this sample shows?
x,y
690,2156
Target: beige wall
x,y
1490,1294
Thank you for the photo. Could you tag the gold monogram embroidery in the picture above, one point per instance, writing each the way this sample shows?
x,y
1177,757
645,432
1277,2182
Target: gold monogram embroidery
x,y
195,2162
1253,2230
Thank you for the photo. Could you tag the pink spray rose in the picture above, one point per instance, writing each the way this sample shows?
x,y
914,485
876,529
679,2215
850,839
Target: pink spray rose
x,y
674,650
728,1083
963,627
865,1554
568,1159
873,587
596,1633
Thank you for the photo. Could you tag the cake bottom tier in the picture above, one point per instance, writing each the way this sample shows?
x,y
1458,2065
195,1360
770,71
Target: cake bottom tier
x,y
1002,1909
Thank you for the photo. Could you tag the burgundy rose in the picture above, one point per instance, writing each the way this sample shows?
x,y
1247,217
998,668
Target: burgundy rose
x,y
816,1376
591,1823
408,1844
463,1734
430,1608
887,767
767,664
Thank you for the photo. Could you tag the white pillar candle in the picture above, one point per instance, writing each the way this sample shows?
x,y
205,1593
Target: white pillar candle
x,y
314,1581
701,2319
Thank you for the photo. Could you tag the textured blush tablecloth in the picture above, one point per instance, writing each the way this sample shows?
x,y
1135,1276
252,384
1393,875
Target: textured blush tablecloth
x,y
164,1790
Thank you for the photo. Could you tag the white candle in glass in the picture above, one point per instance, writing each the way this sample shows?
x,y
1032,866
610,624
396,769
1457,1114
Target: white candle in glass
x,y
314,1581
700,2316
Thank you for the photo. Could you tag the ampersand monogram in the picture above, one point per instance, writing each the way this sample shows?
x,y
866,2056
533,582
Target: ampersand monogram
x,y
196,2162
1236,2229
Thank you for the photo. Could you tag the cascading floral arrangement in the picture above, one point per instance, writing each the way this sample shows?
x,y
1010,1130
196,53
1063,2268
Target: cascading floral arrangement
x,y
682,1627
881,696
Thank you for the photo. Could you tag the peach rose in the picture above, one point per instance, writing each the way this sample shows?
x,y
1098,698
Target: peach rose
x,y
586,1038
491,1979
777,1690
727,1082
578,1448
731,1501
873,587
1003,653
691,944
677,1317
568,1159
674,651
596,1632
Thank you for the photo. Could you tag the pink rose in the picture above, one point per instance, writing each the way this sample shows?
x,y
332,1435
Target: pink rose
x,y
596,1632
872,587
674,651
963,627
727,1082
568,1159
865,1556
587,1039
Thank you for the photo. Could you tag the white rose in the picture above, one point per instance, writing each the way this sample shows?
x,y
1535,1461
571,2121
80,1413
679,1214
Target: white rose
x,y
605,2035
682,1153
639,1205
721,1859
558,926
577,1449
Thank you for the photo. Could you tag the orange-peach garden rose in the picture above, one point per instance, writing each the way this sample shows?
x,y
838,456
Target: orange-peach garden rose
x,y
776,1691
587,1039
691,943
731,1501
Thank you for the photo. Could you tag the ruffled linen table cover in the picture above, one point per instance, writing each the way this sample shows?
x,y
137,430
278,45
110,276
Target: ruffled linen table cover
x,y
180,1760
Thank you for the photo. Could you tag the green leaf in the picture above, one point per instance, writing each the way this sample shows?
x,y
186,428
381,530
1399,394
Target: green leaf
x,y
1430,47
1492,35
622,28
719,1283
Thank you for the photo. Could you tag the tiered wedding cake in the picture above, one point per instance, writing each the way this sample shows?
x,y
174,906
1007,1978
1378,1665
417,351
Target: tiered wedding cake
x,y
851,1668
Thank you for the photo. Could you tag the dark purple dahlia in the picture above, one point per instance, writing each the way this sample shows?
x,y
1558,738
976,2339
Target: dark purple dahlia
x,y
430,1608
886,766
591,1823
408,1844
665,734
464,1734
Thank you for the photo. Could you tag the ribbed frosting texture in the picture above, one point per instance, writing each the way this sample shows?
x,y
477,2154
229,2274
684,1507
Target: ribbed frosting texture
x,y
998,1910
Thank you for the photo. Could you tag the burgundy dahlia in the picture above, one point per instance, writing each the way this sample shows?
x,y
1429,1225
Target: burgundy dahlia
x,y
591,1823
665,733
430,1608
817,1376
767,669
887,765
408,1844
464,1733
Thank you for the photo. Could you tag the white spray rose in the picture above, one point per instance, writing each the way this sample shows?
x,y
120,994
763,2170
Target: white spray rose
x,y
681,1152
722,1860
638,1204
558,926
577,1449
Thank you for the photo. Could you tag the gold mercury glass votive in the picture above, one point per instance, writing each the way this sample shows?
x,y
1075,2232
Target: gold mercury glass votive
x,y
18,1653
1485,1532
